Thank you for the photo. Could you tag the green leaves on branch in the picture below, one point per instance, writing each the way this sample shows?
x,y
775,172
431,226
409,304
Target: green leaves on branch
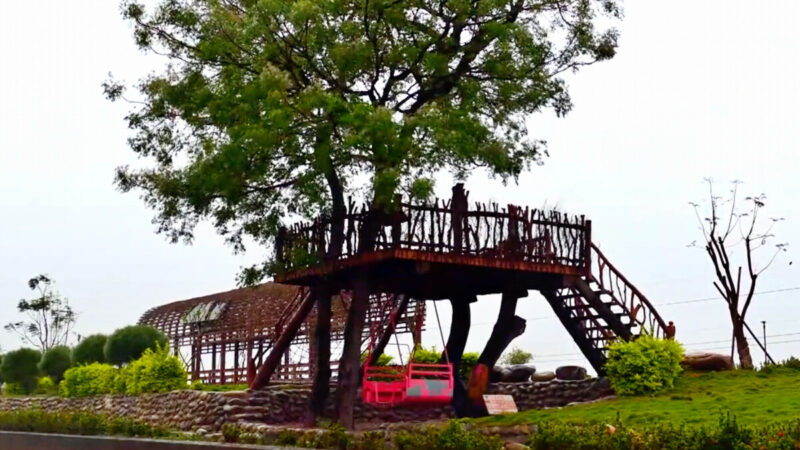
x,y
275,110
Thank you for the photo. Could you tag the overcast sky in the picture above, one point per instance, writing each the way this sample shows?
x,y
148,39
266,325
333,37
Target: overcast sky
x,y
697,89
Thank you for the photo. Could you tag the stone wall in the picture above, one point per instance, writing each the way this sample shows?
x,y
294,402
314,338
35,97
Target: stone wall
x,y
189,410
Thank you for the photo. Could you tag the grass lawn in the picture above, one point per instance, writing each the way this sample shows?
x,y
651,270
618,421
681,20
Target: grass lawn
x,y
697,399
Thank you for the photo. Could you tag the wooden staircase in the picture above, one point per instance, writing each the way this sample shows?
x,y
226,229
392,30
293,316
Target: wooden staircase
x,y
602,306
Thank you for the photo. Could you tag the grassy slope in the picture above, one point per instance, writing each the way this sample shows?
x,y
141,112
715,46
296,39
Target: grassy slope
x,y
755,398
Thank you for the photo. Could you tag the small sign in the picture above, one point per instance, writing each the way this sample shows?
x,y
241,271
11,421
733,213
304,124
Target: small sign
x,y
500,404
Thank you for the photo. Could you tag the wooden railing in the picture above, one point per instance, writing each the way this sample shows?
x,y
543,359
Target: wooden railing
x,y
622,292
451,227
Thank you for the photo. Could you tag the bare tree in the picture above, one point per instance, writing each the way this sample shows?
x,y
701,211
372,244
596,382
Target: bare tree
x,y
734,232
50,318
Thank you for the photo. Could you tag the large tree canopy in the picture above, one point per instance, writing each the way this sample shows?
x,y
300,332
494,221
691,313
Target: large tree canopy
x,y
273,109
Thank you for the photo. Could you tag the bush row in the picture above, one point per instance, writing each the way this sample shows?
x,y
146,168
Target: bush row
x,y
27,371
83,423
155,371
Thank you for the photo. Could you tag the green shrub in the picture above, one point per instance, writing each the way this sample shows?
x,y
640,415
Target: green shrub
x,y
91,379
39,421
383,360
46,386
129,343
426,356
90,350
22,368
1,373
517,356
156,371
455,436
468,362
643,366
10,389
55,362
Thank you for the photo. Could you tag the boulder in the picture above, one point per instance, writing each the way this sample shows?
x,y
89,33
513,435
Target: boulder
x,y
518,373
707,361
497,374
543,376
571,373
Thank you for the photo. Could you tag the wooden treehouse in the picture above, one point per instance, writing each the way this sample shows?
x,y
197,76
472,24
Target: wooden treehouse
x,y
456,251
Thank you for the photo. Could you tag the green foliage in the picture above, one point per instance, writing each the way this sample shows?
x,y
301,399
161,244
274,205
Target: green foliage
x,y
426,355
39,421
21,367
383,360
455,436
55,362
90,350
198,385
756,398
727,433
643,366
13,389
129,343
46,386
266,110
156,371
1,373
517,356
468,362
89,380
231,432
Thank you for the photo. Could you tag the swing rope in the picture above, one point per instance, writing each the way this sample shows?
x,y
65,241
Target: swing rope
x,y
441,334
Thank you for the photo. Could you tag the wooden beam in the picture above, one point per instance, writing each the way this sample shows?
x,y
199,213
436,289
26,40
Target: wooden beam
x,y
283,342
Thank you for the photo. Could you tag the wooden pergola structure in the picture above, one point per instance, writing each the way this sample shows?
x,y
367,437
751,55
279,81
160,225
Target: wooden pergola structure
x,y
223,337
451,250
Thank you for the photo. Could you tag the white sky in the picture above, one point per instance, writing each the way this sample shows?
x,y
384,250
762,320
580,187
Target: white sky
x,y
698,89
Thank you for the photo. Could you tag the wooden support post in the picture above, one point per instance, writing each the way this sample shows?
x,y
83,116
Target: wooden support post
x,y
212,374
587,251
222,358
351,353
322,357
458,207
236,362
283,342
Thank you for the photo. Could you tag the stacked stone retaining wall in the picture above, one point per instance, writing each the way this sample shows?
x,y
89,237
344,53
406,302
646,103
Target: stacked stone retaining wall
x,y
191,410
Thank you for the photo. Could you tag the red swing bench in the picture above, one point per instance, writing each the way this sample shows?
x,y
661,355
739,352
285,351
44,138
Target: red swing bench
x,y
414,384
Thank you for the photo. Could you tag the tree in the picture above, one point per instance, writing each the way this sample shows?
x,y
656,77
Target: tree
x,y
20,367
90,350
129,343
55,362
50,318
276,110
733,236
517,356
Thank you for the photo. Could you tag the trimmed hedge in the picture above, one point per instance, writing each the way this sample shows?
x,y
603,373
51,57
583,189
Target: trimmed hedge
x,y
90,350
55,362
156,371
89,380
21,367
645,365
82,423
129,343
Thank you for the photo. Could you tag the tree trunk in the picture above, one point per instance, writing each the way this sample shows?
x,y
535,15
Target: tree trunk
x,y
351,353
456,342
742,347
322,374
507,327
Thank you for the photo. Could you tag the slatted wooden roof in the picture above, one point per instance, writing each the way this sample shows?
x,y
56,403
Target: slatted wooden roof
x,y
252,313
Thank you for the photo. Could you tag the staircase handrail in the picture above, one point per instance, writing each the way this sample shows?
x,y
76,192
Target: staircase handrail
x,y
635,293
